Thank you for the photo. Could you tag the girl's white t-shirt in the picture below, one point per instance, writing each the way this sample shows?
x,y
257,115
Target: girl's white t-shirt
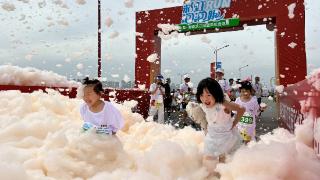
x,y
216,115
220,139
252,106
109,116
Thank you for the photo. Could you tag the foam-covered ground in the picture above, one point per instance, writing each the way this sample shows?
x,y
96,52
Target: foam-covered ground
x,y
40,138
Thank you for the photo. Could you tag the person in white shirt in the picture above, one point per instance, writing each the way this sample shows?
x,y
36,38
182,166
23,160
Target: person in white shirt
x,y
96,113
157,92
233,89
186,91
184,87
223,83
257,86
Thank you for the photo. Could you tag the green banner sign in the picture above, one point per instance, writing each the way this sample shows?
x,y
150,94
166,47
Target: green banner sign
x,y
224,23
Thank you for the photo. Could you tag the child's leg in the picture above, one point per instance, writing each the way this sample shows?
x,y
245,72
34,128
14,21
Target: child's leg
x,y
161,114
210,163
152,112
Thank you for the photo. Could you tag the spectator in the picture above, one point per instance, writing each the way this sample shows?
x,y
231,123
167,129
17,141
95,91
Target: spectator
x,y
257,86
233,90
157,91
167,97
186,91
223,83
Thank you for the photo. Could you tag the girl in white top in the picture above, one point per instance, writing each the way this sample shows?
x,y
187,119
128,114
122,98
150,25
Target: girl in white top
x,y
247,124
97,113
222,137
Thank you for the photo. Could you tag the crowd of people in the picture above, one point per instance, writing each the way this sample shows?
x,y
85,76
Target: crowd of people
x,y
167,100
227,112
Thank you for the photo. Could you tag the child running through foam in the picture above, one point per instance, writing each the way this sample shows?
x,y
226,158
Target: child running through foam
x,y
247,124
97,113
222,136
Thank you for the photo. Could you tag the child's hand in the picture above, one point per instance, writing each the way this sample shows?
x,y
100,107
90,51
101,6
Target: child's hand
x,y
227,111
263,107
153,102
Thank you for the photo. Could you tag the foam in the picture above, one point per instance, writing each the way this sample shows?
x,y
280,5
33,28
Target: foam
x,y
40,138
29,76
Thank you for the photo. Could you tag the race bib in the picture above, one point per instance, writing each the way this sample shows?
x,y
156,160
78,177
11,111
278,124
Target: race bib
x,y
246,127
103,129
159,101
246,120
158,105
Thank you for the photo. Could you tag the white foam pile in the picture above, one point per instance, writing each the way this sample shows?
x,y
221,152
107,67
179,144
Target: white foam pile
x,y
277,156
29,76
40,138
168,31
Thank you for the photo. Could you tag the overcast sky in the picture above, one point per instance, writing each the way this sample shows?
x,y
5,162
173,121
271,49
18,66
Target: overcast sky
x,y
62,36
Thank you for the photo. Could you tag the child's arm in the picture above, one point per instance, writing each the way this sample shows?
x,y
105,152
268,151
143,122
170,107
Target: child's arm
x,y
235,107
154,89
262,107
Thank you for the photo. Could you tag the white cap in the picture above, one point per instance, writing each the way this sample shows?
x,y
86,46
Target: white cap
x,y
186,76
219,70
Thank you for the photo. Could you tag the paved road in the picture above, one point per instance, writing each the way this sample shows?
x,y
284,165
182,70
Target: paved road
x,y
266,123
268,120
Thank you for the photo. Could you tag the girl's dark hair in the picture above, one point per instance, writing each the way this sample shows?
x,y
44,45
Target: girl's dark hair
x,y
246,85
213,87
97,85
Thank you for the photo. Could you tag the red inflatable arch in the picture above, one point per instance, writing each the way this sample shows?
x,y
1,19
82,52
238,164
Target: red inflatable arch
x,y
290,62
